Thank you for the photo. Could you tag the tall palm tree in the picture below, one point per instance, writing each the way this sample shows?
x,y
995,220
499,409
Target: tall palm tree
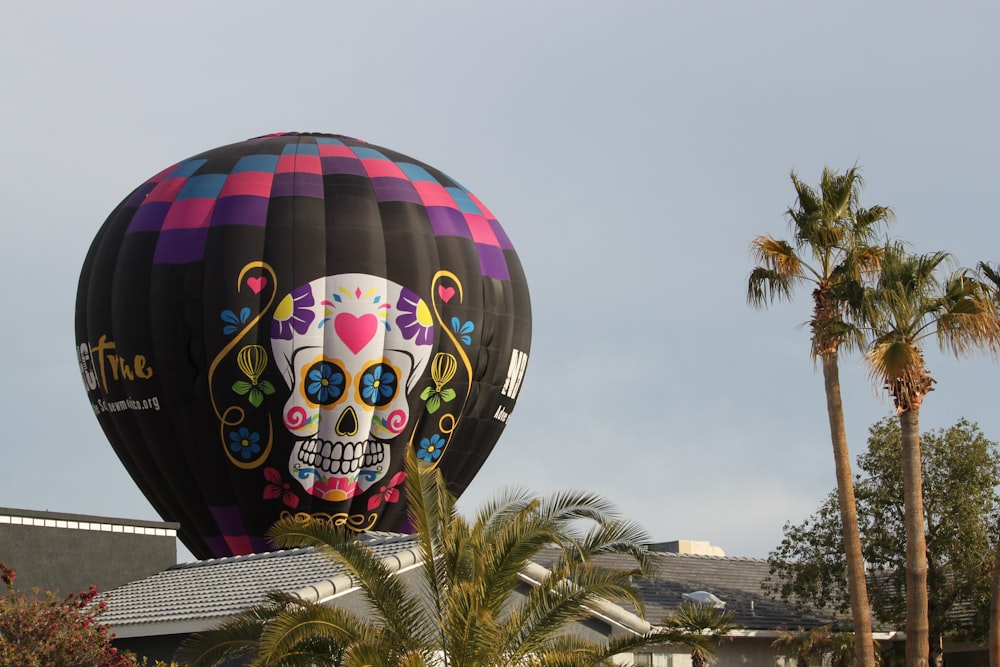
x,y
991,278
705,626
482,599
910,302
832,252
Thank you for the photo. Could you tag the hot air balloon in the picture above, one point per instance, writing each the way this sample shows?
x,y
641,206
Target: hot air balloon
x,y
263,330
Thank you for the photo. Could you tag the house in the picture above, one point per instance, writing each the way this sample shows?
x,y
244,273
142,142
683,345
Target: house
x,y
154,603
152,616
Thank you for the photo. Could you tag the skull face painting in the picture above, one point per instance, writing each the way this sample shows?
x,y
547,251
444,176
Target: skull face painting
x,y
351,348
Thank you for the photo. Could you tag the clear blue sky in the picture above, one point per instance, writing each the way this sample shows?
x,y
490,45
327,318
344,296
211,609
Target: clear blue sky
x,y
631,150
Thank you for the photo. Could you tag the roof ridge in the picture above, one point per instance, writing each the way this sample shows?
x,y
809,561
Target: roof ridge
x,y
240,558
370,538
711,557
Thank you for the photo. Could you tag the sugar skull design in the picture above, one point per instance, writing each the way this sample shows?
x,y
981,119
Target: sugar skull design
x,y
351,348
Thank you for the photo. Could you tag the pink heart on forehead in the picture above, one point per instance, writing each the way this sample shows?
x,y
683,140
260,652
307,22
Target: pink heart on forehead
x,y
356,331
257,284
446,293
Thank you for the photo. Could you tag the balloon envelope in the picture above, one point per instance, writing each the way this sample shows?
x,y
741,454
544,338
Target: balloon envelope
x,y
265,328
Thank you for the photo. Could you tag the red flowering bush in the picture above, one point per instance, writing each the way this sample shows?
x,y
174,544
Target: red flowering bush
x,y
47,631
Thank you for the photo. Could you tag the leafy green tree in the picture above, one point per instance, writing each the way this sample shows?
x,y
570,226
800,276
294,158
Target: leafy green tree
x,y
42,630
471,606
912,300
704,626
961,471
831,251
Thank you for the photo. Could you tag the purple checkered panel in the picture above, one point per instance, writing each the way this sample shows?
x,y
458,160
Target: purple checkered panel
x,y
183,202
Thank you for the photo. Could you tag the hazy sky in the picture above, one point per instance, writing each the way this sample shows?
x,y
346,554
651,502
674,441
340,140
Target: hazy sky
x,y
631,150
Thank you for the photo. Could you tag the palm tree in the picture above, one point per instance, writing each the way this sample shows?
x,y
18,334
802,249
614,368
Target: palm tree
x,y
482,599
836,235
991,278
909,303
840,649
704,624
821,643
804,645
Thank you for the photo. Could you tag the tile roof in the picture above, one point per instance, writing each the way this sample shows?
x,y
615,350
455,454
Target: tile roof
x,y
737,581
194,596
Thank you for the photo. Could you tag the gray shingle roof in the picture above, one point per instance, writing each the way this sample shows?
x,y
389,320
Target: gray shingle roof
x,y
197,595
737,581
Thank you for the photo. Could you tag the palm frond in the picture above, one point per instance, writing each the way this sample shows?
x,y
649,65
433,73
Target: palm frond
x,y
565,595
969,319
779,256
213,647
992,277
363,654
235,637
809,202
310,629
622,538
867,220
431,511
398,608
767,286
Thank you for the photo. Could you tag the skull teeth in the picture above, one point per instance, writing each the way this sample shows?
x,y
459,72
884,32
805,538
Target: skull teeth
x,y
336,458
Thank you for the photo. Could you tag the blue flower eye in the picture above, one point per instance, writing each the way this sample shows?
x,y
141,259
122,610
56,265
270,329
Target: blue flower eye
x,y
325,382
378,385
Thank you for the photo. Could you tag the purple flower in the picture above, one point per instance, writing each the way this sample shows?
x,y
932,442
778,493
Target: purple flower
x,y
294,313
414,319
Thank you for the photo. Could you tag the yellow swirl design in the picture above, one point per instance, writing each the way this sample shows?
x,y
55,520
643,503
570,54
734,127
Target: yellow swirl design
x,y
444,367
235,415
357,523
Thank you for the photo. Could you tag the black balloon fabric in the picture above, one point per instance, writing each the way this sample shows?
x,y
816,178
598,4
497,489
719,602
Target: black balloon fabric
x,y
265,328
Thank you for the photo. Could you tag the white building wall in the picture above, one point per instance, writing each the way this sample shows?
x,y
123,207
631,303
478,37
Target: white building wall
x,y
741,652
